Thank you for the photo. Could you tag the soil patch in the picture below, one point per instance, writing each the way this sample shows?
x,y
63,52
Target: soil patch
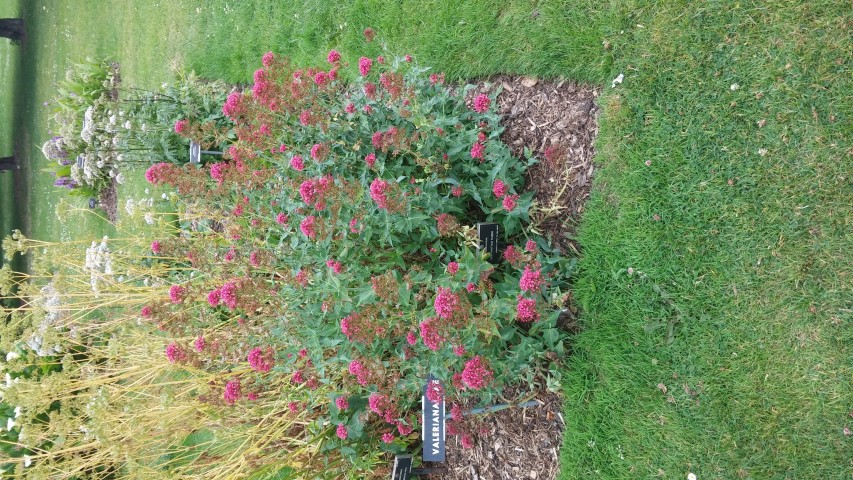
x,y
557,122
108,200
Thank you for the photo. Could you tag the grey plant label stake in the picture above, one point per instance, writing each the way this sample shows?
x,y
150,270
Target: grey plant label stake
x,y
433,425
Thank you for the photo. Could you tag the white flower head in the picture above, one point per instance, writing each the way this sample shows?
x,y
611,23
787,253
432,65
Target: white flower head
x,y
691,476
12,355
27,461
734,86
10,423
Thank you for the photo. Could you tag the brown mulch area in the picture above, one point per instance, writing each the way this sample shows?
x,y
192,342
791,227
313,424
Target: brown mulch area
x,y
557,121
108,200
516,443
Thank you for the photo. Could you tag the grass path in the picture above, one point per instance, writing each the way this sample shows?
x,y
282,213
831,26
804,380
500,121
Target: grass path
x,y
737,234
741,227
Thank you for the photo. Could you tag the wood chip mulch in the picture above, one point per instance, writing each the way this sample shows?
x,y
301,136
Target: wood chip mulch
x,y
557,121
108,200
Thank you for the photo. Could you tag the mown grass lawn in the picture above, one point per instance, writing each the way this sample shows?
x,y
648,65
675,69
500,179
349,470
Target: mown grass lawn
x,y
726,351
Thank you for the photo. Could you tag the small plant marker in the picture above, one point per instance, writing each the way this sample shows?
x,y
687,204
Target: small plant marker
x,y
403,468
489,235
432,425
196,151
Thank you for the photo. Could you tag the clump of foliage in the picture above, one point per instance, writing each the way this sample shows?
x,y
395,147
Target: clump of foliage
x,y
313,280
354,204
102,129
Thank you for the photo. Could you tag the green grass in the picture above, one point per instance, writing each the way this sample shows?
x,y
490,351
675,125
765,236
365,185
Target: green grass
x,y
754,276
750,259
140,35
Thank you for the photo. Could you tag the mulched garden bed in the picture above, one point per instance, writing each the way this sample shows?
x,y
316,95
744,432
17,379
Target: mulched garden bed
x,y
108,199
557,121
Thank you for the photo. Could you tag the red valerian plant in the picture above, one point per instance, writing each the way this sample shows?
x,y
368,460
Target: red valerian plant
x,y
346,262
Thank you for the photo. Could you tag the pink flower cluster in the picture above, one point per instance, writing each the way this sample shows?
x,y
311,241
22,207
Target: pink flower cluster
x,y
181,126
260,360
476,375
430,335
370,90
452,268
360,328
512,255
232,391
361,373
159,173
353,226
364,65
176,293
378,192
217,172
342,403
478,151
481,103
145,312
234,106
155,247
297,163
308,191
510,202
175,353
302,278
383,406
307,227
199,344
435,392
531,280
321,78
333,56
341,431
446,303
526,310
214,297
226,294
281,218
370,159
499,188
336,266
319,151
